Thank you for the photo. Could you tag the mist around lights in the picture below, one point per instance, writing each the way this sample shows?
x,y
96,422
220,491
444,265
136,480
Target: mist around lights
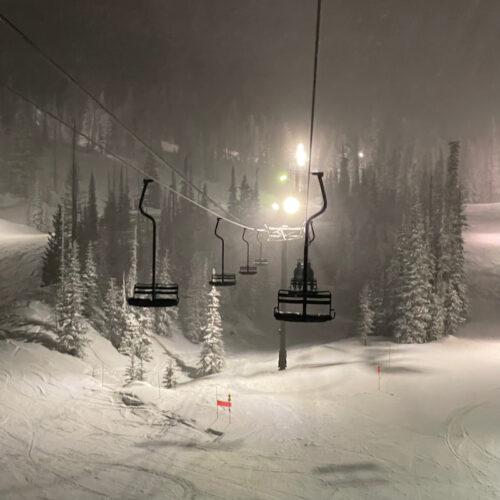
x,y
291,205
301,155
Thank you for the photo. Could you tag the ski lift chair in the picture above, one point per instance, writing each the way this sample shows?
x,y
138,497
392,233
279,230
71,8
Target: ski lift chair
x,y
310,305
260,261
248,269
153,294
222,279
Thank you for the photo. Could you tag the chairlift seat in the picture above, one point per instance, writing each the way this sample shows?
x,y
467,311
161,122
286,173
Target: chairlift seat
x,y
165,295
226,279
248,270
298,317
313,298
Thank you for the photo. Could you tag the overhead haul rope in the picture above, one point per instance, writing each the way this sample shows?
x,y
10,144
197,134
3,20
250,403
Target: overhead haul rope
x,y
313,104
94,99
119,158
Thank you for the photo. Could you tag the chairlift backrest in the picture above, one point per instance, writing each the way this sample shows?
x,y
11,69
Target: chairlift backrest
x,y
248,269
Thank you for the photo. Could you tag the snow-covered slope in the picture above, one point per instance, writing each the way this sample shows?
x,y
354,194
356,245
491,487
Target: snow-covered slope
x,y
320,430
483,249
482,246
21,248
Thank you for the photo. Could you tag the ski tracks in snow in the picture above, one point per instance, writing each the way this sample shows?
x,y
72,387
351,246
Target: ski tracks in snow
x,y
483,466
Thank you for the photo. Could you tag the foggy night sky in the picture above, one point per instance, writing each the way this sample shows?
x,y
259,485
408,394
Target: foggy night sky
x,y
429,65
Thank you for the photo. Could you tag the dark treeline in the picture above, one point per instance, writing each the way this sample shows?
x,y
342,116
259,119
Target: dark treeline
x,y
32,142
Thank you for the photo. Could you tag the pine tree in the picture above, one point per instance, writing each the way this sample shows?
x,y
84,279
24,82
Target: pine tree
x,y
67,213
36,217
20,162
164,231
129,342
164,317
245,202
456,301
109,236
344,178
193,310
71,329
91,292
143,349
233,204
437,309
113,313
212,351
52,256
255,194
367,314
153,196
169,380
413,290
91,218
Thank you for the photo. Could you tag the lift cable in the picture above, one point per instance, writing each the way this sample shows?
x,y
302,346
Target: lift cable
x,y
118,157
313,104
119,122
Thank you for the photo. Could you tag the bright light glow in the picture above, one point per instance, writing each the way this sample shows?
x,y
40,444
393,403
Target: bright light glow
x,y
291,205
275,206
283,177
300,155
361,154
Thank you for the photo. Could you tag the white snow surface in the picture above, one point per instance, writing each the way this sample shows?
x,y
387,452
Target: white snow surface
x,y
322,429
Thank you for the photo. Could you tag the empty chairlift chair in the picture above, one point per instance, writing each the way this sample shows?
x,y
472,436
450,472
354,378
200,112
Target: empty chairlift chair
x,y
248,269
222,279
310,305
153,294
261,261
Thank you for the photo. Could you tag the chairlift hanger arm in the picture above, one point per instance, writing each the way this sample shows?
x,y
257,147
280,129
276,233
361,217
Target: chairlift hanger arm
x,y
309,221
145,185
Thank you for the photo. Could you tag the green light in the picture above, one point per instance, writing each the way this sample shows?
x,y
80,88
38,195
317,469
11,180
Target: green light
x,y
283,177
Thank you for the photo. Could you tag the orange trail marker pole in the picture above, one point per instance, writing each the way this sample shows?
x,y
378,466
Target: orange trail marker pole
x,y
229,401
378,370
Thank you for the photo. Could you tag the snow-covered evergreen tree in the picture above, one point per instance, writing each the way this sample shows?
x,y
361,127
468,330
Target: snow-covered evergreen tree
x,y
169,380
21,153
245,202
130,339
194,308
52,256
233,203
71,329
212,351
91,216
113,313
456,301
437,323
412,293
36,215
90,285
367,314
143,351
165,317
